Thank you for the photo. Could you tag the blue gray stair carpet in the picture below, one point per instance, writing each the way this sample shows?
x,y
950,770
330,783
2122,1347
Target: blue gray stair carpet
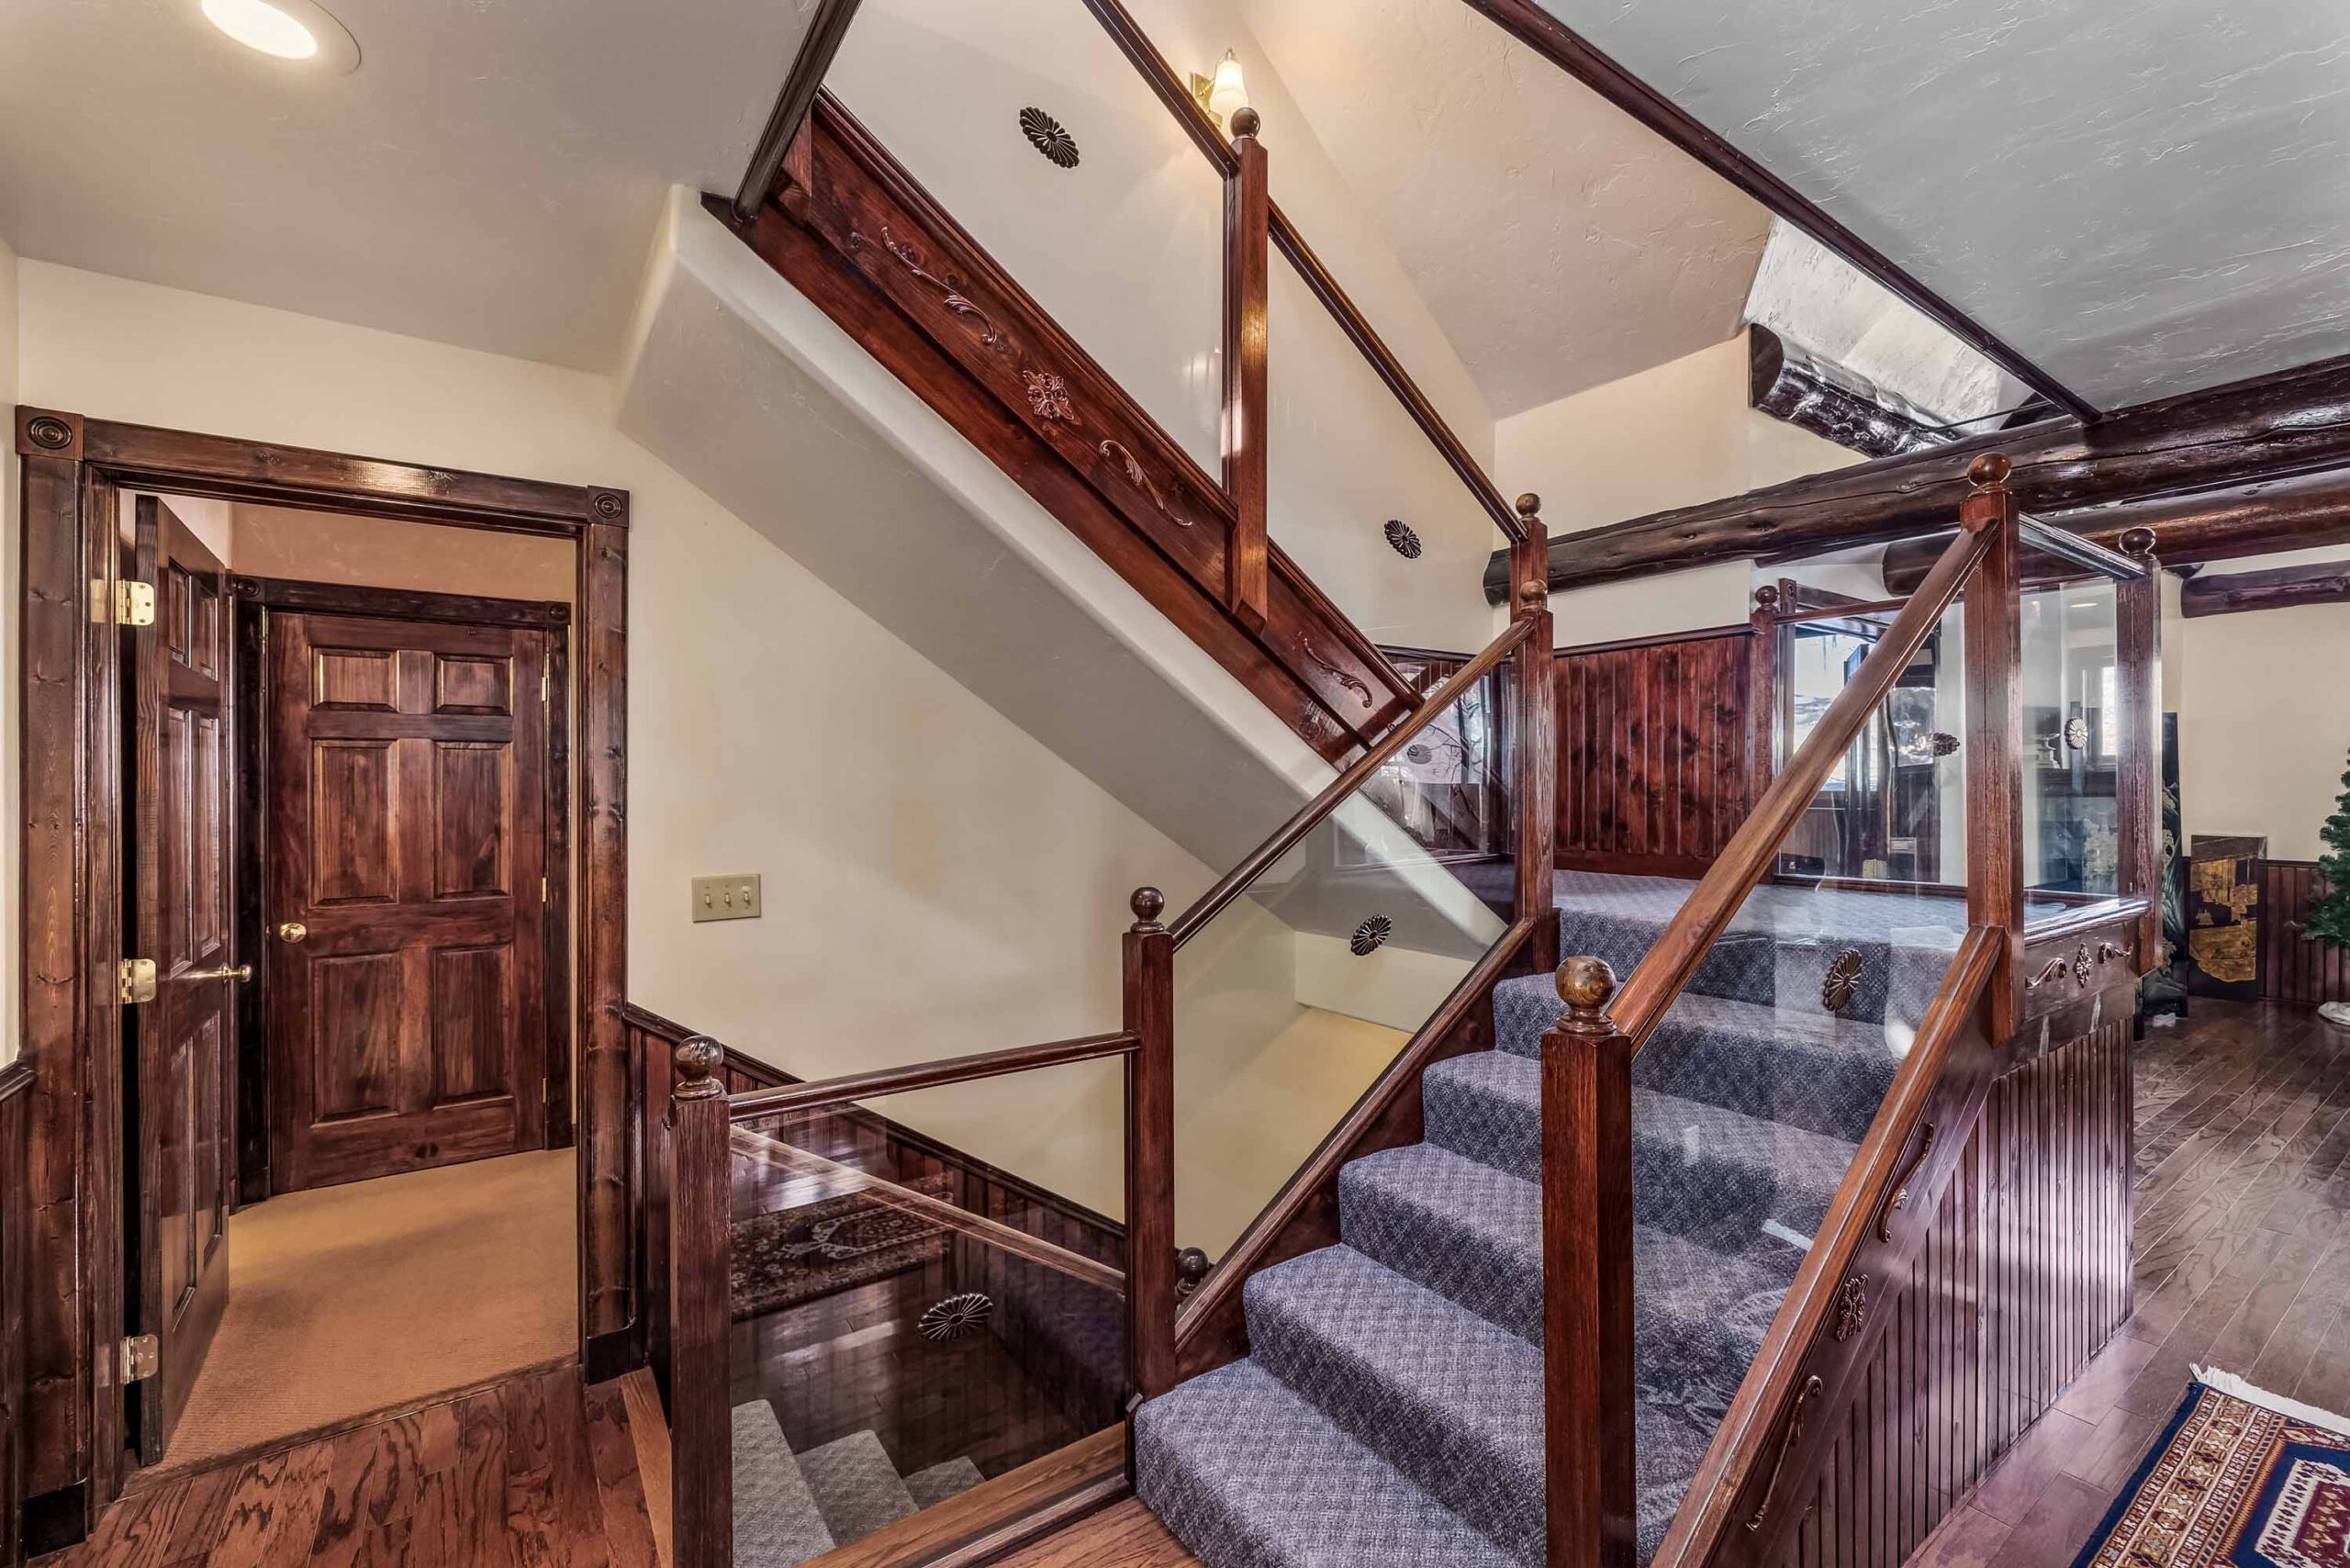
x,y
1390,1410
789,1508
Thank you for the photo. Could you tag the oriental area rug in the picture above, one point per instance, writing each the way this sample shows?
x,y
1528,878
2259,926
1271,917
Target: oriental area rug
x,y
2240,1479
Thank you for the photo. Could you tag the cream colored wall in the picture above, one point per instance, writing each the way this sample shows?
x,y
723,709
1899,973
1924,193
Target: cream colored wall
x,y
10,749
2264,716
282,542
1677,435
937,881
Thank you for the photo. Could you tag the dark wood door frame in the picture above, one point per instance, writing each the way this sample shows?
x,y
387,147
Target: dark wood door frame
x,y
254,598
73,470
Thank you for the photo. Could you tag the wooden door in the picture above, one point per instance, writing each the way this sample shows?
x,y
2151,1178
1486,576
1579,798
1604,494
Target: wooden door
x,y
404,982
179,1115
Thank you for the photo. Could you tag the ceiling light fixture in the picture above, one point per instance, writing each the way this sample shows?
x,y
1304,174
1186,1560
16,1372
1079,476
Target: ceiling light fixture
x,y
298,30
1223,93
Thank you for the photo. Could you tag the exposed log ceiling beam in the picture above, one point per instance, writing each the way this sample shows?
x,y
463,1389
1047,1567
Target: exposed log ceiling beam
x,y
2301,512
2325,583
2267,430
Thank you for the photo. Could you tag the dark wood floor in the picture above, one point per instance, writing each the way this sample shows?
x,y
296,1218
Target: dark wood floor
x,y
534,1470
2242,1263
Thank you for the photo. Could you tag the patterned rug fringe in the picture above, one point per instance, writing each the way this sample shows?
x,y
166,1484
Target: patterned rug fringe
x,y
2236,1387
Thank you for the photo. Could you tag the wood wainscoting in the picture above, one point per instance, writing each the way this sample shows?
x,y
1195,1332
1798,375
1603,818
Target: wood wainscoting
x,y
2293,968
1657,754
2024,1277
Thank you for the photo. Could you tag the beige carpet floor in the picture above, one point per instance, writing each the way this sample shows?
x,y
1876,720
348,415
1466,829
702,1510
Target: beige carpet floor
x,y
347,1300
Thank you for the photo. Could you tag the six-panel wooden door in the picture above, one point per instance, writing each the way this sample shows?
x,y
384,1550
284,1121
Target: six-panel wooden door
x,y
405,912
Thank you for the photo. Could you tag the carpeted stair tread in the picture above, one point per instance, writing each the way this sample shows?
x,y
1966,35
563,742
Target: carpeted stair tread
x,y
777,1522
1811,1069
1699,1316
1723,1179
856,1487
940,1482
1246,1475
1463,1230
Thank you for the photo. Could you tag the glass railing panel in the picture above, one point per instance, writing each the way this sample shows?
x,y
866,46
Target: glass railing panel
x,y
2072,738
928,1291
1888,813
1749,1100
1450,788
1025,122
1294,998
1357,494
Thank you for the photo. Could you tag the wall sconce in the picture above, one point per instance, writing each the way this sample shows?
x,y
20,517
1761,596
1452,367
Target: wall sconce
x,y
1223,93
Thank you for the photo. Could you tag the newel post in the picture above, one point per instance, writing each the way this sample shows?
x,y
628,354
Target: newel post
x,y
1248,217
1149,975
2138,653
1587,1277
1536,784
1994,747
702,1438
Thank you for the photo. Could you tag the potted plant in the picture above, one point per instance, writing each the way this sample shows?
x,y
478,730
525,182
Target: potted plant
x,y
2329,912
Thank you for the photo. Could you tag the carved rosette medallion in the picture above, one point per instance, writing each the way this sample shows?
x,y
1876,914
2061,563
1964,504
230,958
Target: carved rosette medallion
x,y
1046,134
1401,535
2076,733
1852,1307
1841,980
2081,966
1945,742
1048,396
1371,935
608,505
956,1318
47,431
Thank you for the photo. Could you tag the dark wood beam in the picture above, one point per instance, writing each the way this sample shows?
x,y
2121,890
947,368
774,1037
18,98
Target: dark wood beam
x,y
1531,25
2292,423
2328,582
2301,512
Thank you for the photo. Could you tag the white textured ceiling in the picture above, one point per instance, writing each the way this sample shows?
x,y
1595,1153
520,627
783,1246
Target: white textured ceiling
x,y
490,175
1559,243
2143,197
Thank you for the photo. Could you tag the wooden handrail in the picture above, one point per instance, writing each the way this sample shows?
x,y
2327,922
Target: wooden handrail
x,y
844,1179
1746,1475
826,28
1641,1004
1236,882
1144,55
1247,407
829,1091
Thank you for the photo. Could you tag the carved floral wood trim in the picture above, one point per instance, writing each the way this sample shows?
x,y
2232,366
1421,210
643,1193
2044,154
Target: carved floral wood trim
x,y
962,301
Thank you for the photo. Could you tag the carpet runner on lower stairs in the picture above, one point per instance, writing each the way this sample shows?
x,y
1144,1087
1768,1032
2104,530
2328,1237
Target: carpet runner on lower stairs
x,y
790,1507
1390,1411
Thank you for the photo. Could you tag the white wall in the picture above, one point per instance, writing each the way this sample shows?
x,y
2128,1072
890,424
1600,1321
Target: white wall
x,y
937,880
10,748
2264,714
1677,435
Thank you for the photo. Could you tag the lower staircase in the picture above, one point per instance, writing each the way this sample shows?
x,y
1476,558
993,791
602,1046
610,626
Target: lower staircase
x,y
1391,1409
790,1507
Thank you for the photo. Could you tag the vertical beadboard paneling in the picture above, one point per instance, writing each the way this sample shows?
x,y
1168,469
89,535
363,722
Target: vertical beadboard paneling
x,y
2292,968
1652,753
2023,1278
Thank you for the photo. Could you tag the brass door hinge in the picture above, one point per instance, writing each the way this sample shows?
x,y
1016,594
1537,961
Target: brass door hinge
x,y
138,981
142,1356
542,889
546,685
132,603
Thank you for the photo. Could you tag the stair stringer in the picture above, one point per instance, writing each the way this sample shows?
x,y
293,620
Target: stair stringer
x,y
747,387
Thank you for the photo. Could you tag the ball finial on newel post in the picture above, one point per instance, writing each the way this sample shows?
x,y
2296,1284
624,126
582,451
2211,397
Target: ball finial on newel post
x,y
1245,121
1990,471
1529,505
2138,544
698,1061
1148,904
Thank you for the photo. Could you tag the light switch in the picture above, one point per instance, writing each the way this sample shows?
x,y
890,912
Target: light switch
x,y
734,897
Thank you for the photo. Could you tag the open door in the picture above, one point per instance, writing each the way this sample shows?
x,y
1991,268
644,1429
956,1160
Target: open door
x,y
178,1030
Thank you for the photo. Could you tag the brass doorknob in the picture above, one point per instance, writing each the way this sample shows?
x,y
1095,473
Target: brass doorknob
x,y
292,931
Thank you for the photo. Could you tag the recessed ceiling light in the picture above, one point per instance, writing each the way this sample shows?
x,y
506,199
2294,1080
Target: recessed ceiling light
x,y
300,31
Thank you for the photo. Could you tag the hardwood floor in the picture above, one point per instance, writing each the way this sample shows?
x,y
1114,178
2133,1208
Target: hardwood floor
x,y
2242,1263
534,1470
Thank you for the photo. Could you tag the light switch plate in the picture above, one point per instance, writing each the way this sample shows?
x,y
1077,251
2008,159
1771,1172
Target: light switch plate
x,y
734,897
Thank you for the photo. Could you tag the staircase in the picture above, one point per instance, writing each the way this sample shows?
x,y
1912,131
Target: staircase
x,y
792,1507
1391,1409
